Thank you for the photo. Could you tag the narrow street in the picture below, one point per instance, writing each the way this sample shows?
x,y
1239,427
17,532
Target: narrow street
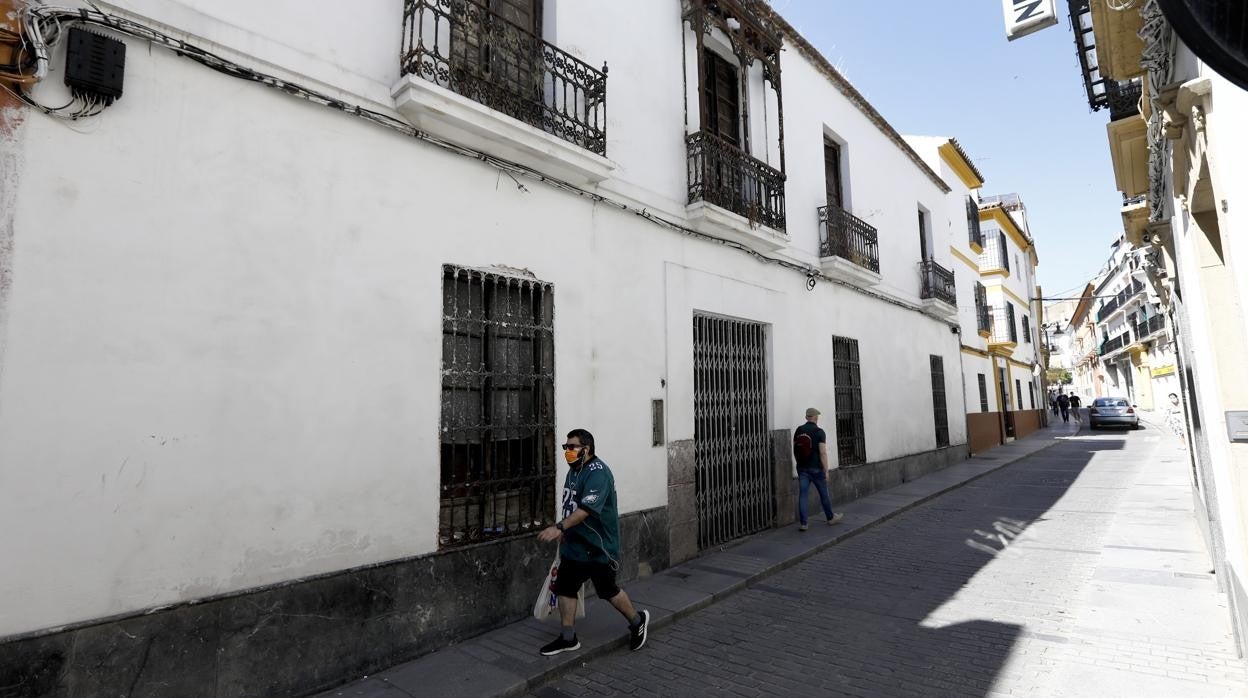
x,y
1077,571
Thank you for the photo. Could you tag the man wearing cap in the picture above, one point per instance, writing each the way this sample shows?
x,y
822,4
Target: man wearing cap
x,y
810,450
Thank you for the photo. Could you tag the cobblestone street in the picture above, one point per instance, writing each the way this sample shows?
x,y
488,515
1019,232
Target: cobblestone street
x,y
1078,571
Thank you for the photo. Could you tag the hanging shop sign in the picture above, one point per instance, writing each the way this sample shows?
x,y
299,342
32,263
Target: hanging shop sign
x,y
1023,17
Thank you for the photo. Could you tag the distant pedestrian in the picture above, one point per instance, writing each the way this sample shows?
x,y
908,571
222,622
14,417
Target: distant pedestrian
x,y
1175,420
1074,407
1053,403
810,450
1063,404
589,547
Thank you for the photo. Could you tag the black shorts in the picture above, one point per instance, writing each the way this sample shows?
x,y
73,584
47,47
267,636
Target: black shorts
x,y
573,573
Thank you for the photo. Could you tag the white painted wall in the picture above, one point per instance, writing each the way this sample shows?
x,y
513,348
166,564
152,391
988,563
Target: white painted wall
x,y
222,366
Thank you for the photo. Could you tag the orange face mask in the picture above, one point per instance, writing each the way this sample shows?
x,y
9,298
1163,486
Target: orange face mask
x,y
571,456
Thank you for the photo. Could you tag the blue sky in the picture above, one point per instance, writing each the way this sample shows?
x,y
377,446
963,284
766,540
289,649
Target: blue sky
x,y
1018,109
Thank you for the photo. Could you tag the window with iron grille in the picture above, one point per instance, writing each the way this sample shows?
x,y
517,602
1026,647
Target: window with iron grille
x,y
1027,329
1005,253
1018,393
1031,394
983,393
498,416
851,443
1009,312
940,411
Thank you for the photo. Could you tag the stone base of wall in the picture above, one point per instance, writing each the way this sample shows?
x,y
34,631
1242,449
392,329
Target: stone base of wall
x,y
682,503
854,482
1027,422
983,431
308,634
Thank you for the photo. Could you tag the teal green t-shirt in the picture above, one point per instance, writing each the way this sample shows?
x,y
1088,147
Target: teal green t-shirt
x,y
592,488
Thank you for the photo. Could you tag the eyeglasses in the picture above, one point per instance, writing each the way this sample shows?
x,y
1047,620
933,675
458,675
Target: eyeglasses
x,y
572,447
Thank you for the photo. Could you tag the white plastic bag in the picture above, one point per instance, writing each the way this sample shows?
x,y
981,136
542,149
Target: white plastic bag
x,y
547,603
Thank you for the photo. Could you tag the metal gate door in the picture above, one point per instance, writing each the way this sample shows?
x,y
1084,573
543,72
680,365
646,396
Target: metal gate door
x,y
732,446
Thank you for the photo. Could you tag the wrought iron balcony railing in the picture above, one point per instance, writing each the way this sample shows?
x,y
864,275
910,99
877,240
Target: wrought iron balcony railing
x,y
1156,323
1116,343
1148,327
844,235
720,173
938,282
1123,98
1107,309
1133,200
1003,327
465,47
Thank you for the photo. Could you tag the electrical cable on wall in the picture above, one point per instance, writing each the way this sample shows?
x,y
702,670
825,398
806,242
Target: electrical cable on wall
x,y
44,28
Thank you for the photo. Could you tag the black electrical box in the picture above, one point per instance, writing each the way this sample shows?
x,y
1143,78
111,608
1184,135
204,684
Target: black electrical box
x,y
95,65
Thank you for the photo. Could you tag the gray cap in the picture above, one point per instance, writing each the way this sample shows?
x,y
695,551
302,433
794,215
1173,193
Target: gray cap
x,y
812,412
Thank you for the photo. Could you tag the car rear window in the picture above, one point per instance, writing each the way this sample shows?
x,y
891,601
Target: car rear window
x,y
1110,402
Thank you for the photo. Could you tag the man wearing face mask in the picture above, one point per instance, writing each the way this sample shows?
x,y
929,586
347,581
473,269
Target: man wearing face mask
x,y
589,548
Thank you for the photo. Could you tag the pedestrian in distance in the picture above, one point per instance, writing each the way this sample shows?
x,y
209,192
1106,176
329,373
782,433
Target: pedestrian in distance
x,y
1053,403
1074,407
1063,404
1175,420
589,543
810,450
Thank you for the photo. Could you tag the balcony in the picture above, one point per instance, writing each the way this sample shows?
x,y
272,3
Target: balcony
x,y
848,246
1120,300
939,294
1123,99
473,77
750,191
1004,329
1151,326
1109,47
1116,344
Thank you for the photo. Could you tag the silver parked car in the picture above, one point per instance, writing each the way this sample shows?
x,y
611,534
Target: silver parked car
x,y
1106,411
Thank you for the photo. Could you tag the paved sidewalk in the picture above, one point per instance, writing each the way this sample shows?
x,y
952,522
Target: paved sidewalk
x,y
506,661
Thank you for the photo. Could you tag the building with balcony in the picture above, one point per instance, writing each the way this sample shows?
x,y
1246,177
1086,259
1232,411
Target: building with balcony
x,y
1136,347
297,350
1176,158
995,259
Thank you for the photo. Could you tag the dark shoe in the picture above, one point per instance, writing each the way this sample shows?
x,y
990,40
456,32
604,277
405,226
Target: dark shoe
x,y
637,635
561,645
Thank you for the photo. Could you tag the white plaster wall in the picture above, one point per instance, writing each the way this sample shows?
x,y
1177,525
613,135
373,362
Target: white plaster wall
x,y
223,358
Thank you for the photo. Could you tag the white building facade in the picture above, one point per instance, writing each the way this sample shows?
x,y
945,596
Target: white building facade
x,y
1177,104
284,360
998,300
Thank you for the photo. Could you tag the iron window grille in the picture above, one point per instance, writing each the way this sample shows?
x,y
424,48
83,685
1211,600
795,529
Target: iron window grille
x,y
851,442
983,314
1018,393
938,282
471,48
1031,394
1026,329
940,410
844,235
498,407
983,393
972,221
1005,253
